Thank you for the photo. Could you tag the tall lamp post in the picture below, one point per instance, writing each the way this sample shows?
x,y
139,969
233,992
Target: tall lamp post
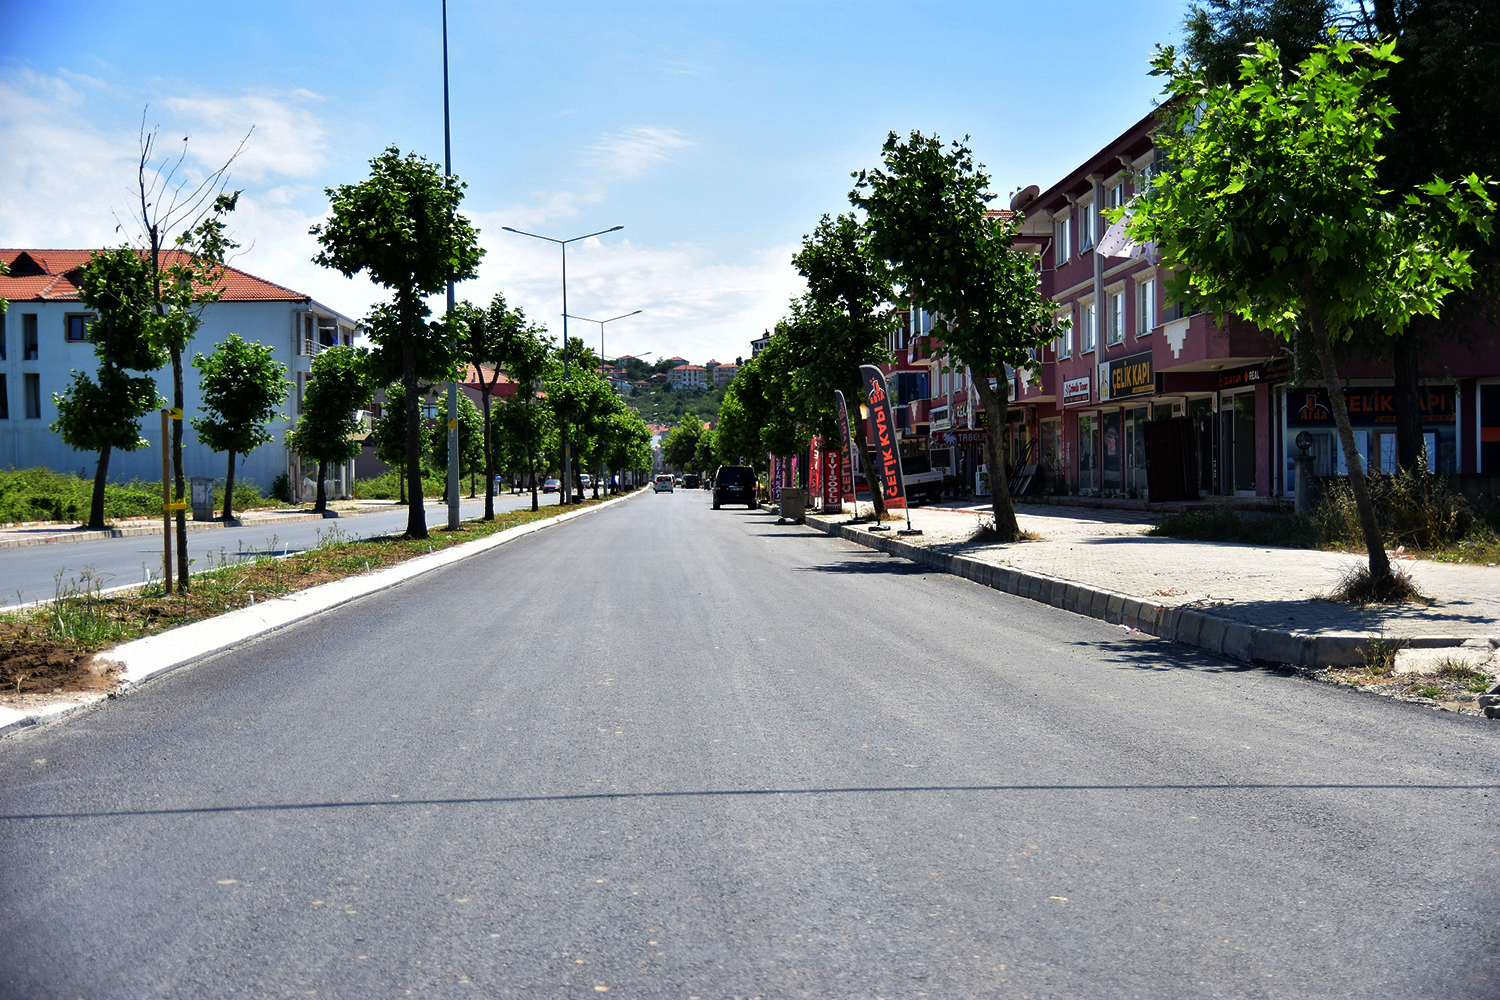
x,y
567,484
452,386
599,471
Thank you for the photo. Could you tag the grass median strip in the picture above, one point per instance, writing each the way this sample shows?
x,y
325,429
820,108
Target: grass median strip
x,y
49,648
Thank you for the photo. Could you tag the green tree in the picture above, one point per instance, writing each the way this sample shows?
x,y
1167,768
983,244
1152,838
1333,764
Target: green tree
x,y
681,444
928,216
1444,91
487,338
103,414
185,239
578,400
839,325
523,424
402,227
471,437
1273,211
388,433
339,388
243,386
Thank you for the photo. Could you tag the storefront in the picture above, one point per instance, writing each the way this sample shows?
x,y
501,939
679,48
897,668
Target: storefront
x,y
1372,414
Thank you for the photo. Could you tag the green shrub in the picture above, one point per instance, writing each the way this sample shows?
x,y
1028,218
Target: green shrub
x,y
387,486
1417,510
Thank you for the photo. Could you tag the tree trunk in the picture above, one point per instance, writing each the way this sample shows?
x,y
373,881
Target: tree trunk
x,y
489,461
1380,566
416,515
101,476
229,488
401,483
321,506
178,473
1408,392
996,412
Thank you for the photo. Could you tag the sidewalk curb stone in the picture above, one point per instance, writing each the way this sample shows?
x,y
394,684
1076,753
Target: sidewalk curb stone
x,y
1190,626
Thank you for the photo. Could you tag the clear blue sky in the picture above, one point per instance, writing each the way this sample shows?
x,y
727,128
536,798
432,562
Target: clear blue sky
x,y
716,132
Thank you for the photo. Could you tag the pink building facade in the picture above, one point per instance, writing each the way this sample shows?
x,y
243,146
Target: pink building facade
x,y
1137,398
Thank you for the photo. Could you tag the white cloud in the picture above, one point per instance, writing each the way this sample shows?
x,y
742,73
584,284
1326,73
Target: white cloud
x,y
630,152
624,154
693,305
289,139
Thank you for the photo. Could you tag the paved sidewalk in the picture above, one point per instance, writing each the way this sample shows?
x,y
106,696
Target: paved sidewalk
x,y
1249,602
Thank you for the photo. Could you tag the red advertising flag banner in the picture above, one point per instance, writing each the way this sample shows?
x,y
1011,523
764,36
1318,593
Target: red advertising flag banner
x,y
847,474
815,469
887,458
833,479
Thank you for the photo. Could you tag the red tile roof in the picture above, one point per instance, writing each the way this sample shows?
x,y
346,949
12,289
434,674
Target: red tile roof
x,y
47,276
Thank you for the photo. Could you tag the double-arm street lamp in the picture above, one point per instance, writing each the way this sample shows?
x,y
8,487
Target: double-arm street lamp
x,y
601,323
567,484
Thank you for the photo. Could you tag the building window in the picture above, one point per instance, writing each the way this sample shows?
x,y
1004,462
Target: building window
x,y
1145,308
30,343
1087,330
1114,196
1116,317
4,398
33,389
1085,225
1064,343
77,327
1059,240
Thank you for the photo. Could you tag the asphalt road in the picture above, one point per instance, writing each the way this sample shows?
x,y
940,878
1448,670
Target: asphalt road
x,y
667,751
35,572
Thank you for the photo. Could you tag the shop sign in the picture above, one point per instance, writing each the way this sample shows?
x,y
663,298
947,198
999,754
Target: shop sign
x,y
945,439
938,418
1077,390
1369,406
1125,377
1275,370
833,478
960,411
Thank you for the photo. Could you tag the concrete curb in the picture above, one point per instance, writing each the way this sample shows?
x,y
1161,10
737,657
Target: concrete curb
x,y
1188,625
143,659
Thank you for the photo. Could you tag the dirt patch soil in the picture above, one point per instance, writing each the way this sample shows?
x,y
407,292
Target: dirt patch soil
x,y
43,666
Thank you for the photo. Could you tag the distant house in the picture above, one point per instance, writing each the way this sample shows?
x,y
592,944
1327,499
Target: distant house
x,y
688,377
43,339
760,343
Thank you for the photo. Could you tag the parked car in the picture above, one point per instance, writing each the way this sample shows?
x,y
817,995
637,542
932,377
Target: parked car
x,y
662,484
587,481
551,486
690,481
735,484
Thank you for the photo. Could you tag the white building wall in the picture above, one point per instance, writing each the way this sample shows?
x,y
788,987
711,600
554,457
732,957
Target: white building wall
x,y
29,442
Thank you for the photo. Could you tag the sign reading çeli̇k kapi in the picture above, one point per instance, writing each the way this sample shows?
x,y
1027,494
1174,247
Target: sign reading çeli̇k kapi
x,y
1121,378
1369,406
887,459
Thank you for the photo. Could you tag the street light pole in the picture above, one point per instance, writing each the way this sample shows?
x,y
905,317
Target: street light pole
x,y
452,386
601,322
567,484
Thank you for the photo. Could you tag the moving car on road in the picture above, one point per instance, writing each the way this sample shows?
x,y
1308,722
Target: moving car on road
x,y
662,484
551,486
690,481
734,484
